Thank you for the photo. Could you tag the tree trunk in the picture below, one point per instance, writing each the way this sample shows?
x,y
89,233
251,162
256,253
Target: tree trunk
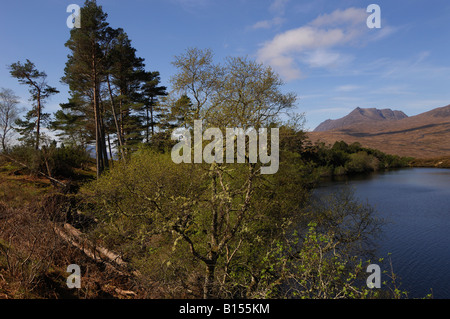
x,y
100,145
148,124
38,121
151,118
113,108
4,142
5,131
208,288
122,123
103,141
98,148
110,151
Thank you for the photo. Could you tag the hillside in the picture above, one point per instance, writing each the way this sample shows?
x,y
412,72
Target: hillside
x,y
426,135
360,115
35,246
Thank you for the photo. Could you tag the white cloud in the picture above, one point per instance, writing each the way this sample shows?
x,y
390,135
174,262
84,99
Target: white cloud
x,y
325,59
311,44
350,16
267,24
278,6
347,88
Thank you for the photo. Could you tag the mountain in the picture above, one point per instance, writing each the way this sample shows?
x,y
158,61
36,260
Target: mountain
x,y
424,136
360,115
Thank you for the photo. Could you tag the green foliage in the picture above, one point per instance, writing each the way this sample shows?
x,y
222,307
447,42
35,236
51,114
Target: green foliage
x,y
27,127
313,270
161,217
240,92
64,159
342,159
70,125
362,162
27,74
52,160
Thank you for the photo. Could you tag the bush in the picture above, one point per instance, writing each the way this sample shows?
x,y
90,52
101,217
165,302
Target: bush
x,y
52,160
62,160
159,217
362,162
340,170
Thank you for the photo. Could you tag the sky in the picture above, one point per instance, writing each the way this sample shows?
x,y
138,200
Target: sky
x,y
323,50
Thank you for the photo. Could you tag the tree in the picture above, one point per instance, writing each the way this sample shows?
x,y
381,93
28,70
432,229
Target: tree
x,y
240,93
210,212
151,90
85,71
125,75
106,80
197,78
27,127
181,112
39,89
278,245
71,125
9,113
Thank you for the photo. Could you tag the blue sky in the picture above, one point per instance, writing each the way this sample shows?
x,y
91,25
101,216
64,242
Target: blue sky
x,y
322,49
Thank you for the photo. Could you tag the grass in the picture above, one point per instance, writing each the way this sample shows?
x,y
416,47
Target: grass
x,y
18,189
439,162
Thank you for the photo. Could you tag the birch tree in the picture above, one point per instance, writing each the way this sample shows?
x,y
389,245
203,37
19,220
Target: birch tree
x,y
9,113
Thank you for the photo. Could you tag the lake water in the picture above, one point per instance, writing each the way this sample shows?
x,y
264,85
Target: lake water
x,y
416,205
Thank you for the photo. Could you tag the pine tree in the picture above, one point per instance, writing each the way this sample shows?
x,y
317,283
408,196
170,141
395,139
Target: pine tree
x,y
107,81
27,74
182,111
151,91
125,72
85,71
71,125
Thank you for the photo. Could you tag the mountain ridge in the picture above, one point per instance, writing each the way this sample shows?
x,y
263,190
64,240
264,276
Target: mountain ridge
x,y
424,136
360,115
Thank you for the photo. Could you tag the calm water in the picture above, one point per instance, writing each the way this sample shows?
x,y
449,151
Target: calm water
x,y
416,204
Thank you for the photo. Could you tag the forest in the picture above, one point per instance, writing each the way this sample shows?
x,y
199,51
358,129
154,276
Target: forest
x,y
94,185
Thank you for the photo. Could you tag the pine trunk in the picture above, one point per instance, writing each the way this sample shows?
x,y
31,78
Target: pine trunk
x,y
38,121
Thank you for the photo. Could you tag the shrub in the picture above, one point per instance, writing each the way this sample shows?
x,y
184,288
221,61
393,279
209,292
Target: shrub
x,y
362,162
159,217
62,160
52,160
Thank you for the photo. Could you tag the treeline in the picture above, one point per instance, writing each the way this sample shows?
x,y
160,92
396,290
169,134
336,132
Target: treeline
x,y
111,92
342,159
113,106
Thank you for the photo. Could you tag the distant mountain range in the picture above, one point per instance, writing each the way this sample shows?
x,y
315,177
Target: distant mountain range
x,y
426,135
358,116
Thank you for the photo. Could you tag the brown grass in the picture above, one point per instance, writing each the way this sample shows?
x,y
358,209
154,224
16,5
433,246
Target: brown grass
x,y
34,259
423,141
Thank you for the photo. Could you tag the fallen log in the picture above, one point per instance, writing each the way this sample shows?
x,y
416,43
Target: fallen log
x,y
99,254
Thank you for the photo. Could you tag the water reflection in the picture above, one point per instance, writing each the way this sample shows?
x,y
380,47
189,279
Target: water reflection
x,y
416,204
